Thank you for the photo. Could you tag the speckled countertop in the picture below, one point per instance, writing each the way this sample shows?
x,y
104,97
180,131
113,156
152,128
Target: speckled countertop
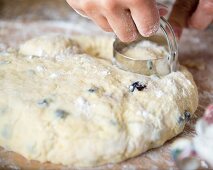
x,y
23,19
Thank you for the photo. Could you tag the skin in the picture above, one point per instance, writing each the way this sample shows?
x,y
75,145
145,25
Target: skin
x,y
129,18
197,14
126,18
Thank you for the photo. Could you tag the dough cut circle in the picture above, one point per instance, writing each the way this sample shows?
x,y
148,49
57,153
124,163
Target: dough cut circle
x,y
63,101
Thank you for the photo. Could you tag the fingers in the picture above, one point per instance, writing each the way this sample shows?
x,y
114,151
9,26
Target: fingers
x,y
163,10
127,18
181,11
102,22
203,16
123,25
146,16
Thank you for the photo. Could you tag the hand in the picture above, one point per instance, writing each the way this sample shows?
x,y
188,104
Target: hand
x,y
196,14
126,18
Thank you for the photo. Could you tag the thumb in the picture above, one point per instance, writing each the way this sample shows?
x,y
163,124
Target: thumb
x,y
182,10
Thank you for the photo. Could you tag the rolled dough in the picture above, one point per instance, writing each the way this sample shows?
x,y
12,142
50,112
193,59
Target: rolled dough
x,y
74,107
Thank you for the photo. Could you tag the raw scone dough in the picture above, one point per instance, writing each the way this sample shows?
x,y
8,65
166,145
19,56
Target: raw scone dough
x,y
147,56
79,109
145,50
49,46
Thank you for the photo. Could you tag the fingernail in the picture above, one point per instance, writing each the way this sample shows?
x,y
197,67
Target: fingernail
x,y
163,11
151,31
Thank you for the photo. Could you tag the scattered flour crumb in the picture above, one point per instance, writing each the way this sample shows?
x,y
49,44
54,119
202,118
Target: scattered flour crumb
x,y
128,167
142,112
54,75
159,93
40,68
84,106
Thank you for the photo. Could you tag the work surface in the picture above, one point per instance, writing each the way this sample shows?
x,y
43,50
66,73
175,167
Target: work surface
x,y
33,18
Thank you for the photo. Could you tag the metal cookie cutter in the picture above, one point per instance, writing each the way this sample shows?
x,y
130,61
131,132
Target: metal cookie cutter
x,y
162,65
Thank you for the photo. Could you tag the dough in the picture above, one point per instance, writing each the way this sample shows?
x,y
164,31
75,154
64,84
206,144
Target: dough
x,y
49,46
145,50
82,110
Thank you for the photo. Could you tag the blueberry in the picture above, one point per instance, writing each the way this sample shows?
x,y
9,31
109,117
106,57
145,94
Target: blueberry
x,y
137,85
44,103
150,64
61,113
93,89
187,115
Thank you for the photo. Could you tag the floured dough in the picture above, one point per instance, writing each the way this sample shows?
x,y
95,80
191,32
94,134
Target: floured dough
x,y
146,50
49,46
82,110
147,57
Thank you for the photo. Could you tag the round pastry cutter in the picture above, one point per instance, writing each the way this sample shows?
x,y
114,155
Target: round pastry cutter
x,y
161,65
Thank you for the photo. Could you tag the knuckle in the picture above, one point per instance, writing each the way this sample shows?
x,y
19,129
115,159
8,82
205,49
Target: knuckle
x,y
109,5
